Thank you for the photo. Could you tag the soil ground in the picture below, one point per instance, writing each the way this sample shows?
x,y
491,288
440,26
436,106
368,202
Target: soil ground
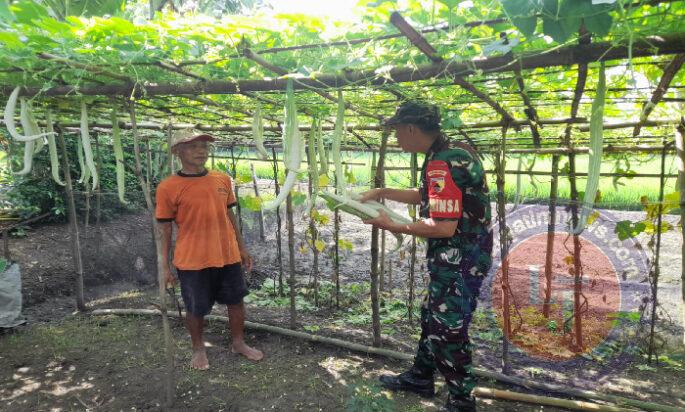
x,y
65,361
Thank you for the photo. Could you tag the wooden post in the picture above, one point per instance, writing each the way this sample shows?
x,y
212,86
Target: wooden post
x,y
375,302
336,250
256,193
279,251
169,386
292,282
412,251
389,288
381,265
680,150
313,232
657,253
500,165
549,253
235,191
98,196
577,265
73,223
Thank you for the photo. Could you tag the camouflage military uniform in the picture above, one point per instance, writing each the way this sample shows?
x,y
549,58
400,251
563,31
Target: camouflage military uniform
x,y
457,265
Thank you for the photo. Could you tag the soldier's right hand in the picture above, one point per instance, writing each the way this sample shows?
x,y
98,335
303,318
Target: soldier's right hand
x,y
169,278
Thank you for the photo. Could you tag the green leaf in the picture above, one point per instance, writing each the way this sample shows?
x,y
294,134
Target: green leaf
x,y
526,25
320,245
323,180
521,8
598,24
560,30
626,229
298,198
3,264
27,11
5,13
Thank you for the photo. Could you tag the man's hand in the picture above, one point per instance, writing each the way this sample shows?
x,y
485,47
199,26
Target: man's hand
x,y
246,260
371,195
169,278
382,221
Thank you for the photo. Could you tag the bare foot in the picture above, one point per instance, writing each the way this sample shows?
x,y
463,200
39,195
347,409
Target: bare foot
x,y
199,360
248,352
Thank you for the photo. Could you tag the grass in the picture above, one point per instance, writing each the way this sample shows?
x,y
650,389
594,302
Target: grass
x,y
621,194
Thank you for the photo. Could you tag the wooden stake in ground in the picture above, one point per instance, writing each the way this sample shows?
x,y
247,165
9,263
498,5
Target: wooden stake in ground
x,y
73,223
549,251
98,196
313,232
169,387
655,261
336,250
292,282
500,165
375,302
279,251
236,188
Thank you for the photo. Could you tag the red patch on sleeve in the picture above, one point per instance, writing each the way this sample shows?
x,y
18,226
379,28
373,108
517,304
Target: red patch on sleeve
x,y
444,197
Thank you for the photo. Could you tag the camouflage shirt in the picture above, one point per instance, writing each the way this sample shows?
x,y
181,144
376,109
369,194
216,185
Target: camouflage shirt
x,y
453,187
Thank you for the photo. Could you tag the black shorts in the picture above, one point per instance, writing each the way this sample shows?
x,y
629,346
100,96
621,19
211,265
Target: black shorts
x,y
201,288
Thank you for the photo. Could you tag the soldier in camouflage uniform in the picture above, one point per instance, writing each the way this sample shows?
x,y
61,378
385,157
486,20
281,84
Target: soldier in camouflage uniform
x,y
455,212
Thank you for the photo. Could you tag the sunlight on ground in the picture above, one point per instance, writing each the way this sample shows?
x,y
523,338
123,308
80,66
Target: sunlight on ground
x,y
335,366
132,294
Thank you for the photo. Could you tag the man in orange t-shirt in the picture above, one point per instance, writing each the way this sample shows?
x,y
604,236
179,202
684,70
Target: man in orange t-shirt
x,y
210,252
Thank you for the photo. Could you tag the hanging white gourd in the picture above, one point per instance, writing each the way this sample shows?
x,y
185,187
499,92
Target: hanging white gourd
x,y
595,158
10,124
85,141
313,170
52,148
323,155
29,145
292,148
118,156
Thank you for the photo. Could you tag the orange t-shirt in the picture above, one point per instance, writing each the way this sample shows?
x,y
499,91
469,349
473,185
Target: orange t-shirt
x,y
198,204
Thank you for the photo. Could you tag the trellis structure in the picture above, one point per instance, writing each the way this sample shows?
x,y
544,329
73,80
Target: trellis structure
x,y
505,88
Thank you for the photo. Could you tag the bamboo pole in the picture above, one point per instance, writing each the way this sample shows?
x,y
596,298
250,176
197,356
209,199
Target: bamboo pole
x,y
292,282
481,392
680,146
549,250
412,250
73,223
483,373
500,165
313,232
98,196
657,253
279,251
169,136
577,264
336,249
169,386
256,193
375,301
236,188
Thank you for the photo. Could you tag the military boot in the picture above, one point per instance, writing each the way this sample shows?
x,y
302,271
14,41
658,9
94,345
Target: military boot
x,y
413,380
459,404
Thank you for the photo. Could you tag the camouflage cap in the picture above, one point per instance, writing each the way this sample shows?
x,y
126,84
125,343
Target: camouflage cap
x,y
418,113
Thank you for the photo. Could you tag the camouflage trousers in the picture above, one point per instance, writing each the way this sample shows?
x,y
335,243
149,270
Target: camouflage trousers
x,y
445,316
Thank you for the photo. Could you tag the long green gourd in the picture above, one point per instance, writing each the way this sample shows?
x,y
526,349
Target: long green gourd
x,y
292,148
323,155
85,141
258,132
118,156
52,148
85,172
595,160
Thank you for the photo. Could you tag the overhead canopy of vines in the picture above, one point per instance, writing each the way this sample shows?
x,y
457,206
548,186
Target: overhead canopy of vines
x,y
485,62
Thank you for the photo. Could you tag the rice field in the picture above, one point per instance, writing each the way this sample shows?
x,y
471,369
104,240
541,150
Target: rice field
x,y
622,193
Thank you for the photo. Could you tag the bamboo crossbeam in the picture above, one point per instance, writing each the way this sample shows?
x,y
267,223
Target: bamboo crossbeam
x,y
414,36
562,56
669,73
